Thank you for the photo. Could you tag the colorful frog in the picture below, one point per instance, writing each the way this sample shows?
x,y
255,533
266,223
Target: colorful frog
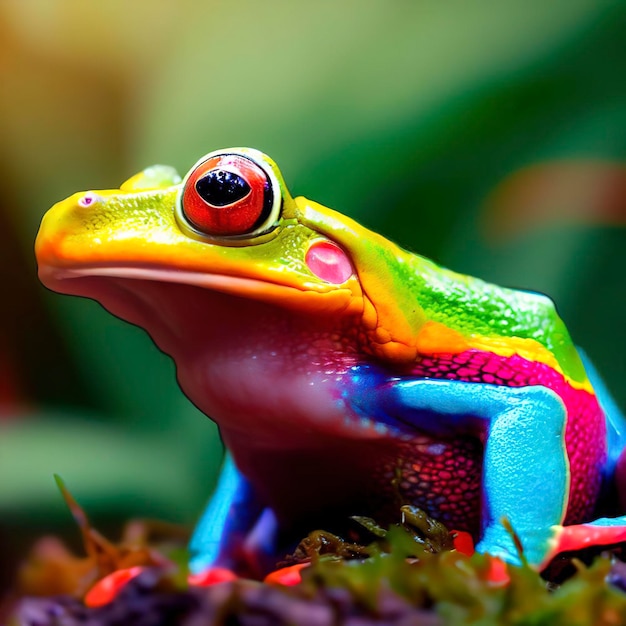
x,y
347,376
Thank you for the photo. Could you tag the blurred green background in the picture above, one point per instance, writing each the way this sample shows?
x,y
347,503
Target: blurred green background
x,y
488,135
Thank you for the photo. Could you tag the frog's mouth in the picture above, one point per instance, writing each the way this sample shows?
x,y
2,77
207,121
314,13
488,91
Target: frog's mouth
x,y
71,281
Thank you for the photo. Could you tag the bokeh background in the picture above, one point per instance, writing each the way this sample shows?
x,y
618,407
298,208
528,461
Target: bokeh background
x,y
490,136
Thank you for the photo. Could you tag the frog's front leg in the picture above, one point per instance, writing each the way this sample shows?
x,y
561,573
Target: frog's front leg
x,y
235,530
525,465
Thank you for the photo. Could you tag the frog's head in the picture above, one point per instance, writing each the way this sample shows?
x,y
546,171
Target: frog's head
x,y
230,225
226,256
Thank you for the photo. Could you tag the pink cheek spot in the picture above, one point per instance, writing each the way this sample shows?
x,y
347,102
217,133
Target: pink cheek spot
x,y
329,262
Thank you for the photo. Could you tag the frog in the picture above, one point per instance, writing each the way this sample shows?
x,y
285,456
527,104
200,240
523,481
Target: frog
x,y
347,376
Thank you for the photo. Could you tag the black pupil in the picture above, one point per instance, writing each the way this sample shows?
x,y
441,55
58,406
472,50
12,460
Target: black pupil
x,y
221,188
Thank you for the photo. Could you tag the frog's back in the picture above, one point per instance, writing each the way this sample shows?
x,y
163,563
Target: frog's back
x,y
502,320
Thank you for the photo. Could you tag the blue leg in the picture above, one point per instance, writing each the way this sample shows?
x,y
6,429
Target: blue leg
x,y
235,530
525,467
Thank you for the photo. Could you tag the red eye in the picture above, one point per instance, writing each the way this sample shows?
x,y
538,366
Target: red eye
x,y
228,195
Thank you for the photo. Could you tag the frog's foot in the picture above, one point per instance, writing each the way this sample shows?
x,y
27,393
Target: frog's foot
x,y
107,588
287,576
601,532
239,551
235,533
539,546
211,576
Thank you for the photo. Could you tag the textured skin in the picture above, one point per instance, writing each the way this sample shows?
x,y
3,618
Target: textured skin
x,y
441,476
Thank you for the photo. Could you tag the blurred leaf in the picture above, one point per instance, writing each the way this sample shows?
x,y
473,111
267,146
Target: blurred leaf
x,y
104,465
561,193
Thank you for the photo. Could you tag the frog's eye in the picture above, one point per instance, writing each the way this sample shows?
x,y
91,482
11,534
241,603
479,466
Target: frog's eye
x,y
229,195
